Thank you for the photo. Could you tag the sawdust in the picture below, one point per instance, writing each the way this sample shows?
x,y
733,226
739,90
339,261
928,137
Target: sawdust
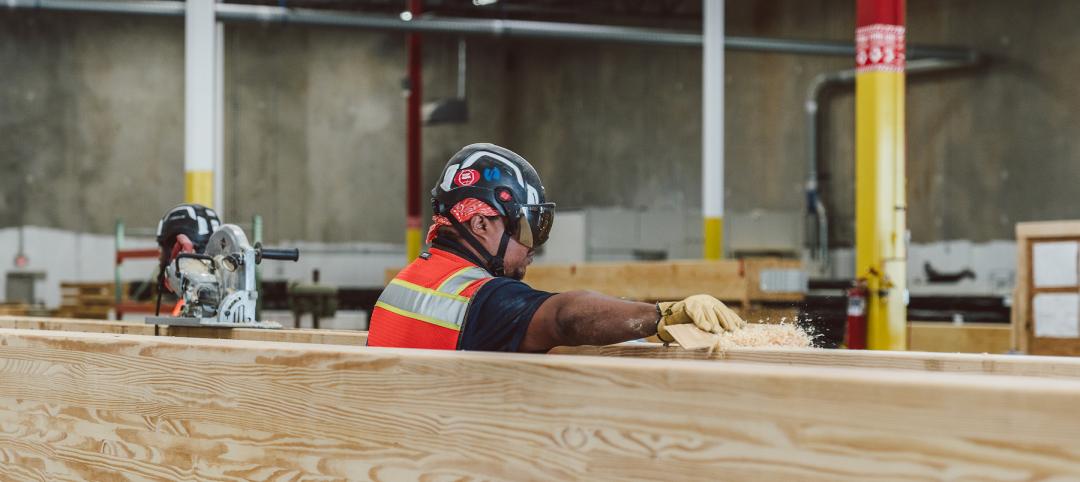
x,y
766,335
755,335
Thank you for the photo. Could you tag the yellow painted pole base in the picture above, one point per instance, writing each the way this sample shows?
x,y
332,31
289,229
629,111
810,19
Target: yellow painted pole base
x,y
412,242
199,187
714,238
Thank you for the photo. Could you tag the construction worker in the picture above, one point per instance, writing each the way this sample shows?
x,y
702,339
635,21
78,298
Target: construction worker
x,y
466,293
185,228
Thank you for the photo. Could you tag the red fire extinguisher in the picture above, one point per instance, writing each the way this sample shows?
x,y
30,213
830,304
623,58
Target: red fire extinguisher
x,y
855,335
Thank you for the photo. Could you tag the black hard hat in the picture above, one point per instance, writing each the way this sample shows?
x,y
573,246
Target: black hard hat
x,y
195,221
503,180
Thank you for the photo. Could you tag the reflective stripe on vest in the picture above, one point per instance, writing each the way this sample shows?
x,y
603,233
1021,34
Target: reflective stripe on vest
x,y
443,306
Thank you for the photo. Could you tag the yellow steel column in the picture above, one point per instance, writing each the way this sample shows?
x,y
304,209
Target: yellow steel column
x,y
880,179
199,95
712,130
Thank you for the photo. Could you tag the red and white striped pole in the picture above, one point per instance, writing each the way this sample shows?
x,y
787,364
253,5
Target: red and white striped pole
x,y
880,179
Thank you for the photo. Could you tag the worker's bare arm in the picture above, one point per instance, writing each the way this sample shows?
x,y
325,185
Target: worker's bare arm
x,y
587,318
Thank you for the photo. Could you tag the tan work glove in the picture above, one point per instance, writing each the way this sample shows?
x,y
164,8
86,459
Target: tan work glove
x,y
704,311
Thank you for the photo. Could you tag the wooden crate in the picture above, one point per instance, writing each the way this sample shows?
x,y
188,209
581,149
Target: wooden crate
x,y
1028,236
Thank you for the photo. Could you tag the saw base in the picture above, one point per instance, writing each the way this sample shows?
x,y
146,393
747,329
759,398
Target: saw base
x,y
208,322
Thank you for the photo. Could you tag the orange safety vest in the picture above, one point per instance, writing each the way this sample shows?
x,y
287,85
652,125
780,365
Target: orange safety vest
x,y
425,305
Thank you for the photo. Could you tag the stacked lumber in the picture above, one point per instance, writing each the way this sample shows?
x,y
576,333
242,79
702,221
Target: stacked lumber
x,y
961,338
747,285
14,309
90,406
86,300
737,281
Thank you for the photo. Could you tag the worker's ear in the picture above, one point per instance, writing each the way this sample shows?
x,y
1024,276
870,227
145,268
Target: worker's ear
x,y
484,227
479,226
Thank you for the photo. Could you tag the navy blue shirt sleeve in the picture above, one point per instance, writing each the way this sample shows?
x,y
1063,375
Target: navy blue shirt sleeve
x,y
499,314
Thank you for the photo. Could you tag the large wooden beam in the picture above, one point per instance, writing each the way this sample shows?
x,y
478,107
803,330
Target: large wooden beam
x,y
88,406
74,324
301,335
1037,366
966,363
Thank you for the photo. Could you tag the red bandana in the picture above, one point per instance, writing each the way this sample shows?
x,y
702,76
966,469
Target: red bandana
x,y
463,211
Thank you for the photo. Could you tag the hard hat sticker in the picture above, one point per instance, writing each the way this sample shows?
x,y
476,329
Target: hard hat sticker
x,y
467,177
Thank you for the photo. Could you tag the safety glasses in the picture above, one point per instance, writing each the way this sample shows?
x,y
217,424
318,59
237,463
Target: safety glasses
x,y
534,224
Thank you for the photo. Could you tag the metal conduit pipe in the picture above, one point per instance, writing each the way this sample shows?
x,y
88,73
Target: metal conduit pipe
x,y
470,26
148,7
818,86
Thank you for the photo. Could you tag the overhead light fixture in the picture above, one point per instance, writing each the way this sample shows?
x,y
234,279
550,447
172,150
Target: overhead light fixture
x,y
406,16
484,3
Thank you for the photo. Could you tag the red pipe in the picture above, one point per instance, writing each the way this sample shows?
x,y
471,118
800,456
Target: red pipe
x,y
413,138
887,12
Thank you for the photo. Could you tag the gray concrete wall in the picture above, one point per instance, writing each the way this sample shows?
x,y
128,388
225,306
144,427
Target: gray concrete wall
x,y
91,121
315,126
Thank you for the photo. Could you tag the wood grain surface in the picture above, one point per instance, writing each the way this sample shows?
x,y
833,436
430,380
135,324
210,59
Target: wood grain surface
x,y
299,335
1014,365
90,406
302,335
75,324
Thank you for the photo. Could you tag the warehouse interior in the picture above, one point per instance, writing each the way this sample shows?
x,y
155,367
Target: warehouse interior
x,y
922,202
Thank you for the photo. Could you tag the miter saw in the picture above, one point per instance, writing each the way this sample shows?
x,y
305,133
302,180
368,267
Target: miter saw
x,y
218,287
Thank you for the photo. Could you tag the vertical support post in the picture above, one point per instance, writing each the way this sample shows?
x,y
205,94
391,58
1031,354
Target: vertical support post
x,y
199,44
219,116
257,237
712,130
880,197
413,140
118,286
